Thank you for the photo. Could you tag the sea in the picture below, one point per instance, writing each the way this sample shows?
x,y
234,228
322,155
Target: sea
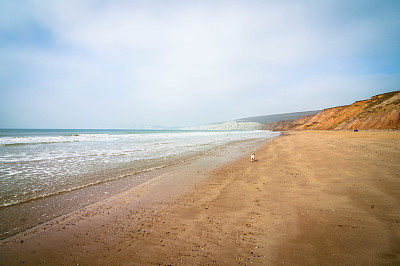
x,y
42,163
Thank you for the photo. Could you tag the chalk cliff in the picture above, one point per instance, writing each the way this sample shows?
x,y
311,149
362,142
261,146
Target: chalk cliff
x,y
379,112
231,125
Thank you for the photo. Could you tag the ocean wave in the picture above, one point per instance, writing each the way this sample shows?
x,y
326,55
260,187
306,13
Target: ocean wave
x,y
42,140
41,196
34,143
101,159
167,163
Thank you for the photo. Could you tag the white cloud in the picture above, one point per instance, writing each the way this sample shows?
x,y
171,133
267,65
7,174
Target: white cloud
x,y
178,62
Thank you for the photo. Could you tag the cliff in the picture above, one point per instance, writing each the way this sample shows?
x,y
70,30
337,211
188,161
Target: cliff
x,y
265,119
379,112
231,125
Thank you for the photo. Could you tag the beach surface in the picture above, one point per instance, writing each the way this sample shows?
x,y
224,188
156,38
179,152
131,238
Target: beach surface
x,y
310,198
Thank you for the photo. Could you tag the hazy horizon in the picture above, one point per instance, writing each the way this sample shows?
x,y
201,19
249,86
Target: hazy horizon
x,y
116,65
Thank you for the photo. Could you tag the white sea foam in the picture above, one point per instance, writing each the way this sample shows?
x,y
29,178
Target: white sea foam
x,y
38,164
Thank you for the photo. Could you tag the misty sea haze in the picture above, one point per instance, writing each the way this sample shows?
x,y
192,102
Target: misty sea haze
x,y
40,163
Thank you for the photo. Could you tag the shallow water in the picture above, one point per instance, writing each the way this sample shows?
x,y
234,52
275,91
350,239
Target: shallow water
x,y
35,164
44,174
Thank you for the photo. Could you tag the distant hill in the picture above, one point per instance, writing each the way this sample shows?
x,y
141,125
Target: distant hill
x,y
265,119
230,125
379,112
250,123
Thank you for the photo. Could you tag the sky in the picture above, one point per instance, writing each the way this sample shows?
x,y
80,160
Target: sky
x,y
124,64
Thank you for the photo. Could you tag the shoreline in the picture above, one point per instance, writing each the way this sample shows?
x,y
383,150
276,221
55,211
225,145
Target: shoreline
x,y
311,198
23,216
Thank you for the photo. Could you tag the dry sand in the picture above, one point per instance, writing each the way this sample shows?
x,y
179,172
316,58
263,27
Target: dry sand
x,y
311,198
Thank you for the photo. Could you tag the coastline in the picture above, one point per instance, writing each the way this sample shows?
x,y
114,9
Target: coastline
x,y
311,198
17,218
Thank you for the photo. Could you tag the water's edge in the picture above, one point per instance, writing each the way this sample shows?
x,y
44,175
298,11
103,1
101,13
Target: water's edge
x,y
21,217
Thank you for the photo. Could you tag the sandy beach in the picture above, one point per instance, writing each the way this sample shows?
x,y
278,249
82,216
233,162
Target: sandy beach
x,y
310,198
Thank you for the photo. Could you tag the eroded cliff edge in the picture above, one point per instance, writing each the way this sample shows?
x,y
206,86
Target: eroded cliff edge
x,y
379,112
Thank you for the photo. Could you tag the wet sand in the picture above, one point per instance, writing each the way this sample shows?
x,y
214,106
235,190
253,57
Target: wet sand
x,y
18,218
311,198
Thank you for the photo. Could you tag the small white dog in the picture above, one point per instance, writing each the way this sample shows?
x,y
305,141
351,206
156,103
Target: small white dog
x,y
253,157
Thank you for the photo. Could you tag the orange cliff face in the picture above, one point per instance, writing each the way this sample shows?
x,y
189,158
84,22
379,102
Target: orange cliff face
x,y
379,112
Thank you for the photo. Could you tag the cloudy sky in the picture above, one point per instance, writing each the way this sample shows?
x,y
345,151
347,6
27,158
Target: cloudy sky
x,y
118,64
